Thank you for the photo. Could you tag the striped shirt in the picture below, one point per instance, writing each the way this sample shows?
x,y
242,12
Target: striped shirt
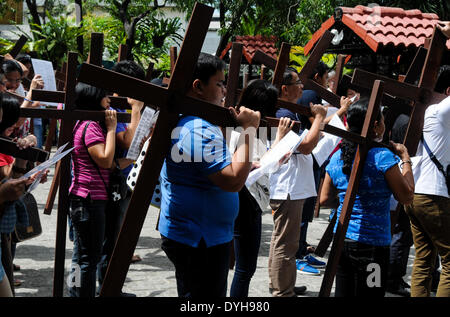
x,y
86,180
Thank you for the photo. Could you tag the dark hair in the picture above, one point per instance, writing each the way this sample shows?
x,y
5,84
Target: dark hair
x,y
24,58
11,112
88,97
443,81
129,68
320,69
207,66
260,95
356,115
287,75
399,128
10,66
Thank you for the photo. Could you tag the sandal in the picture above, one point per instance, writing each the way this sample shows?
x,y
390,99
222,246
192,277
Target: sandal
x,y
135,258
16,267
310,249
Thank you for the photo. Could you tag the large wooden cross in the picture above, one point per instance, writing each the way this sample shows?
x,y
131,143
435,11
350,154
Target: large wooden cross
x,y
68,117
171,101
423,96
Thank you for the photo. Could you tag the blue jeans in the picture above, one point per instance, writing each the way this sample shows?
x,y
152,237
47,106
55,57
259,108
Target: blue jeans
x,y
38,131
88,220
400,246
246,249
113,222
355,269
201,271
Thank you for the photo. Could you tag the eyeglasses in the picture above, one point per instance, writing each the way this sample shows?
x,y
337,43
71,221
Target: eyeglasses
x,y
12,81
298,82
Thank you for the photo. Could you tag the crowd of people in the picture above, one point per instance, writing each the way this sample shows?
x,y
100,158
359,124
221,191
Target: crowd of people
x,y
206,205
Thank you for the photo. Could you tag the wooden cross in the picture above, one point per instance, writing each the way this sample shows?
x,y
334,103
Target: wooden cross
x,y
69,115
171,101
423,96
352,189
59,96
396,106
16,48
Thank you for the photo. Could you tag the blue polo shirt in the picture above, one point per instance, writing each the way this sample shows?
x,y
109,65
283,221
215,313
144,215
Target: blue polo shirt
x,y
120,153
192,207
370,221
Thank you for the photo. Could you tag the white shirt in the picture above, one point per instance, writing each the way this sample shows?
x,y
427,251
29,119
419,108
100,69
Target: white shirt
x,y
295,178
436,130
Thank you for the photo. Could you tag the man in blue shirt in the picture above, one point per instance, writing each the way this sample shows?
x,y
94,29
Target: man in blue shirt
x,y
199,184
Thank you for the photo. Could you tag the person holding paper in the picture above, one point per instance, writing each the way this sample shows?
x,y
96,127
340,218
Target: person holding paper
x,y
124,136
368,236
289,187
92,160
260,96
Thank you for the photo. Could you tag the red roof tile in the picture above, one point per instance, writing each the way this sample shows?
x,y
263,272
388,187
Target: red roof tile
x,y
252,44
381,26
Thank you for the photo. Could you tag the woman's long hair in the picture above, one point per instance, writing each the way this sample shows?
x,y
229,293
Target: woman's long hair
x,y
11,112
356,115
89,98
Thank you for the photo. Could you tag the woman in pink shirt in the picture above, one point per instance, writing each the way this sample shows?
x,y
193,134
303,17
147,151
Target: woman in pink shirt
x,y
92,159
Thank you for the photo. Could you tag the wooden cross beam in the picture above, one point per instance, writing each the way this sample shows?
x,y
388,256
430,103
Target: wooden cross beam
x,y
30,154
69,115
171,101
422,96
352,189
18,46
396,106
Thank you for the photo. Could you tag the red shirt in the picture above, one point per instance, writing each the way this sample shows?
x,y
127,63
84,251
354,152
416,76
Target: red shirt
x,y
5,160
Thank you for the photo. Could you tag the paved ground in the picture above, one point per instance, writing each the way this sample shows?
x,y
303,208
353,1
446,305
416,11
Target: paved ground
x,y
154,275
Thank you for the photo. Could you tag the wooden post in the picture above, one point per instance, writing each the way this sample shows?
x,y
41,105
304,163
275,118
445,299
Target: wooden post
x,y
231,98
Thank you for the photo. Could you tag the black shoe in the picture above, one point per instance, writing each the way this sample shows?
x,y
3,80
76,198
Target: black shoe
x,y
300,290
404,284
398,289
123,294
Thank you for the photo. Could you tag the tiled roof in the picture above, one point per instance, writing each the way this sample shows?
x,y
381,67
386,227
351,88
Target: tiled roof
x,y
252,44
381,26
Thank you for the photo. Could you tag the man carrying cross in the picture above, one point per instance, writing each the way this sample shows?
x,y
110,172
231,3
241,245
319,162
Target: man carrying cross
x,y
289,187
430,211
200,181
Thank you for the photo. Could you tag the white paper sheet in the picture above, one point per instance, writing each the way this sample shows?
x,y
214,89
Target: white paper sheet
x,y
45,69
328,142
148,119
269,163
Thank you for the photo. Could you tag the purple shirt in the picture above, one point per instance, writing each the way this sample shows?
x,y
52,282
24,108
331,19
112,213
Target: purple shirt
x,y
86,178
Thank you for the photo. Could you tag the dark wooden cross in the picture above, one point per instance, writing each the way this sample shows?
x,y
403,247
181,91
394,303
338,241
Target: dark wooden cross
x,y
396,106
16,48
423,96
171,101
68,117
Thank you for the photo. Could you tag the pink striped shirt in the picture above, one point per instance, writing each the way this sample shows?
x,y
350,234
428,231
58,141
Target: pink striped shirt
x,y
86,178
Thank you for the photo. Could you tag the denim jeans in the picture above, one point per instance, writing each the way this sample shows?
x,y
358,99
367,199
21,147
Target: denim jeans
x,y
362,270
88,220
400,246
113,222
200,271
246,249
38,132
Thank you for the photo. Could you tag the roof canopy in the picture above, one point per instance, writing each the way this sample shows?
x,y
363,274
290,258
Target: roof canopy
x,y
252,44
381,26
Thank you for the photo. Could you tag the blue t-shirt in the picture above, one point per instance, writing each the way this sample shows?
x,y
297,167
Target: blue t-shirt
x,y
370,221
192,207
307,97
120,153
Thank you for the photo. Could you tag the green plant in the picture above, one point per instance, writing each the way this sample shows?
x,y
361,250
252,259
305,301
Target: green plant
x,y
54,39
